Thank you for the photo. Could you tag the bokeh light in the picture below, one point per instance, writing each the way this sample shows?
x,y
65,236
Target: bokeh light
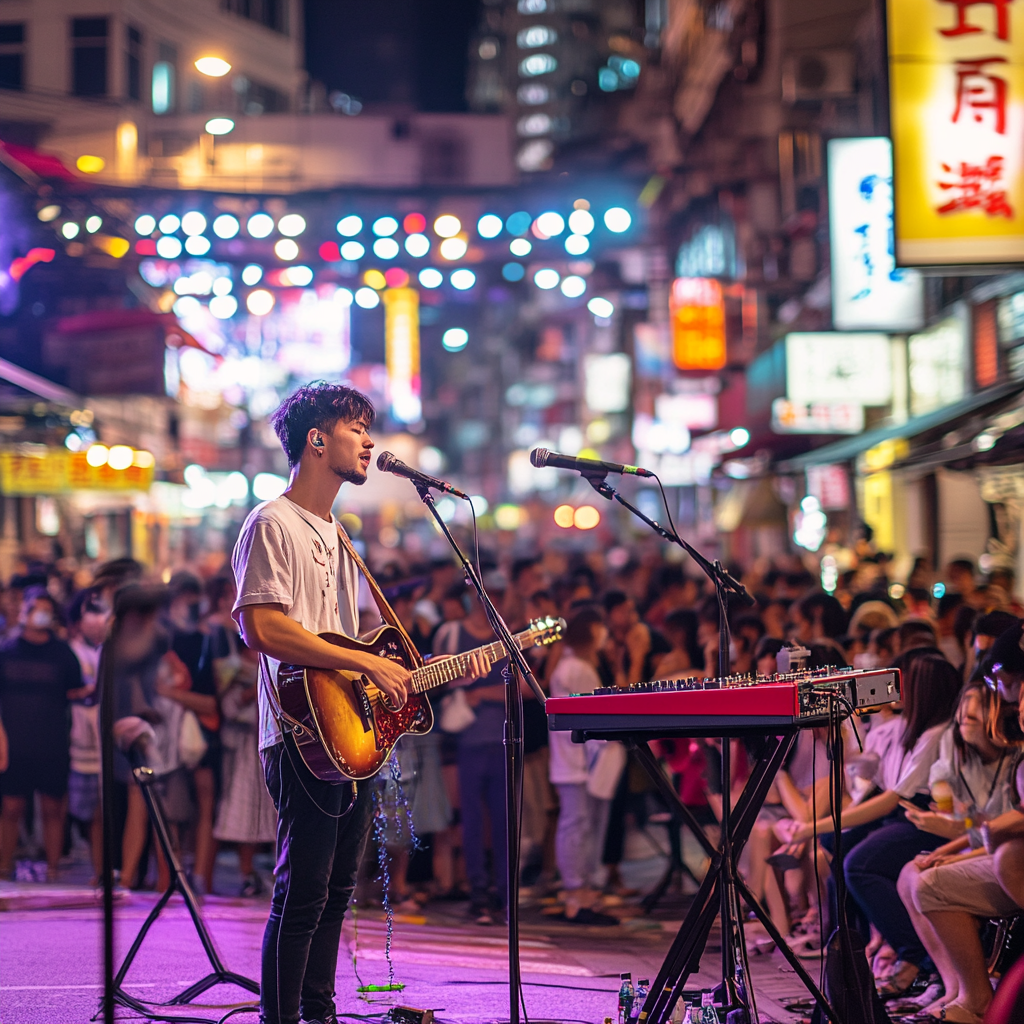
x,y
455,339
489,226
367,298
447,226
350,225
259,302
259,225
617,219
563,516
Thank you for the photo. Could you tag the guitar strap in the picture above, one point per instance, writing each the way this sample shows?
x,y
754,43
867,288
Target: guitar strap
x,y
387,613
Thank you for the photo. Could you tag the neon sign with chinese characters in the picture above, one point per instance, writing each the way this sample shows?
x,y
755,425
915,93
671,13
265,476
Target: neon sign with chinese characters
x,y
956,84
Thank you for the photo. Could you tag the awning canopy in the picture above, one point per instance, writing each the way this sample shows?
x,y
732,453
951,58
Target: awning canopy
x,y
946,417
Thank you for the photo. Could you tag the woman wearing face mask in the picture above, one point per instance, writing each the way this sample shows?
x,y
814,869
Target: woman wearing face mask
x,y
39,674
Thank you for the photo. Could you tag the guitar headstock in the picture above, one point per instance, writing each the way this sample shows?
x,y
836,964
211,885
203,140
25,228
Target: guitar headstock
x,y
547,629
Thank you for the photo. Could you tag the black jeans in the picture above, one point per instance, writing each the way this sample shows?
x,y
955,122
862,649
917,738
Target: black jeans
x,y
318,853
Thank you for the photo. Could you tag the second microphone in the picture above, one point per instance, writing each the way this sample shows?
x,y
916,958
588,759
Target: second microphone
x,y
388,463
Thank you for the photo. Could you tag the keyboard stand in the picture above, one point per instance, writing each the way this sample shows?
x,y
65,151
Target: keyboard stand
x,y
683,957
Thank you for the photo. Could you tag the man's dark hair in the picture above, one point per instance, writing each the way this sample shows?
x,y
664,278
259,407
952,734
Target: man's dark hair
x,y
521,565
184,583
963,564
824,610
34,594
613,598
318,405
994,623
86,600
916,633
751,622
949,602
581,626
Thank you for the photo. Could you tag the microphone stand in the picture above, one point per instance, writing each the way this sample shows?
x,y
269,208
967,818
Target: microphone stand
x,y
725,586
513,746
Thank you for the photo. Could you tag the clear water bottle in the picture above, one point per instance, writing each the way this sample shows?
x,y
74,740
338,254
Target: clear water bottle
x,y
687,1017
626,996
741,983
643,986
708,1013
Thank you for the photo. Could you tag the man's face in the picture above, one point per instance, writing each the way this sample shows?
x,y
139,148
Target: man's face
x,y
93,626
347,450
622,618
800,629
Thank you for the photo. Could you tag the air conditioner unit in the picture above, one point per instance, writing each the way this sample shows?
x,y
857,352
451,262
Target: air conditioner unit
x,y
818,75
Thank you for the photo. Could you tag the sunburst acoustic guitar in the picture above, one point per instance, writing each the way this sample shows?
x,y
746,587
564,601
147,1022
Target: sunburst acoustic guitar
x,y
343,725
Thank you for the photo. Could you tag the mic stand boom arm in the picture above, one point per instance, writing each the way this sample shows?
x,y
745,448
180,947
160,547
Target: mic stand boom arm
x,y
725,584
715,571
513,748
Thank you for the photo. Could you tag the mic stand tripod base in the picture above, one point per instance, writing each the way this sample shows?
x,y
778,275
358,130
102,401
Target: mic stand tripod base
x,y
145,777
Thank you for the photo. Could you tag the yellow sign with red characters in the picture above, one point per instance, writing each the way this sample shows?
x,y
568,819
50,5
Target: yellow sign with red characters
x,y
956,89
55,471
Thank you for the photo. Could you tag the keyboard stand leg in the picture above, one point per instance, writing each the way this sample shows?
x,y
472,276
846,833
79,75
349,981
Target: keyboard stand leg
x,y
683,957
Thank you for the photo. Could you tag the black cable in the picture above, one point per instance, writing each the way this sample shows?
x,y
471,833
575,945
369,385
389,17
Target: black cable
x,y
814,855
668,511
249,1008
539,984
476,539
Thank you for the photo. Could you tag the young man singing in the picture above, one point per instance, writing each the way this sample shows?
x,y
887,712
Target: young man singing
x,y
296,580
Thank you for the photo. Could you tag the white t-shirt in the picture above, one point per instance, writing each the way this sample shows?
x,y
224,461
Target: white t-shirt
x,y
571,762
979,786
916,764
288,556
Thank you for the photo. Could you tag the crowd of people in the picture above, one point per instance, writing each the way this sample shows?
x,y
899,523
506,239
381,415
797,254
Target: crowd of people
x,y
933,830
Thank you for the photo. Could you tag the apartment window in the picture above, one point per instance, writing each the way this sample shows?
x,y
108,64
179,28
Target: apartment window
x,y
271,13
257,98
89,56
133,63
164,76
12,55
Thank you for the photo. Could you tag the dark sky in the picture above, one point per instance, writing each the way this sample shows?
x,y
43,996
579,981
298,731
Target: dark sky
x,y
392,51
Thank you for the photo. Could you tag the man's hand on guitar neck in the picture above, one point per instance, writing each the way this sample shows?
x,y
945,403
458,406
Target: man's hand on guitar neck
x,y
266,628
477,666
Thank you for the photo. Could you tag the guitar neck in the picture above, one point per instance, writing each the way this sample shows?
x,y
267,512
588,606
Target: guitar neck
x,y
446,670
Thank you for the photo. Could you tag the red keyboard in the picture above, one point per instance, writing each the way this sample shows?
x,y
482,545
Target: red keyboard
x,y
799,698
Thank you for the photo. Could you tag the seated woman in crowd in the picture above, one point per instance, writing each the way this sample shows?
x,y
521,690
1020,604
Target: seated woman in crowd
x,y
878,840
942,890
979,873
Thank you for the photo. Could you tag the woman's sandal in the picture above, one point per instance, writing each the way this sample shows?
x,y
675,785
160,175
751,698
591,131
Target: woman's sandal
x,y
788,857
956,1014
899,981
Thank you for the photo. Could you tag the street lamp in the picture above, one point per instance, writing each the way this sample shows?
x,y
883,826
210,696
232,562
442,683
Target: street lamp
x,y
213,67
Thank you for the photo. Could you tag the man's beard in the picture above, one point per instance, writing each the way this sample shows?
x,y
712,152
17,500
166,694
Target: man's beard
x,y
350,476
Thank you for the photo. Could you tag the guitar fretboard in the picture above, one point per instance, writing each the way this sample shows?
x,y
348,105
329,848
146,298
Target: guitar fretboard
x,y
446,670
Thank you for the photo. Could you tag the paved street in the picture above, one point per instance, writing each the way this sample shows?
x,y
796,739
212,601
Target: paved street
x,y
51,959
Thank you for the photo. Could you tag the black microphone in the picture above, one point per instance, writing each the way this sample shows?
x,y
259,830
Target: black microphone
x,y
541,457
389,463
